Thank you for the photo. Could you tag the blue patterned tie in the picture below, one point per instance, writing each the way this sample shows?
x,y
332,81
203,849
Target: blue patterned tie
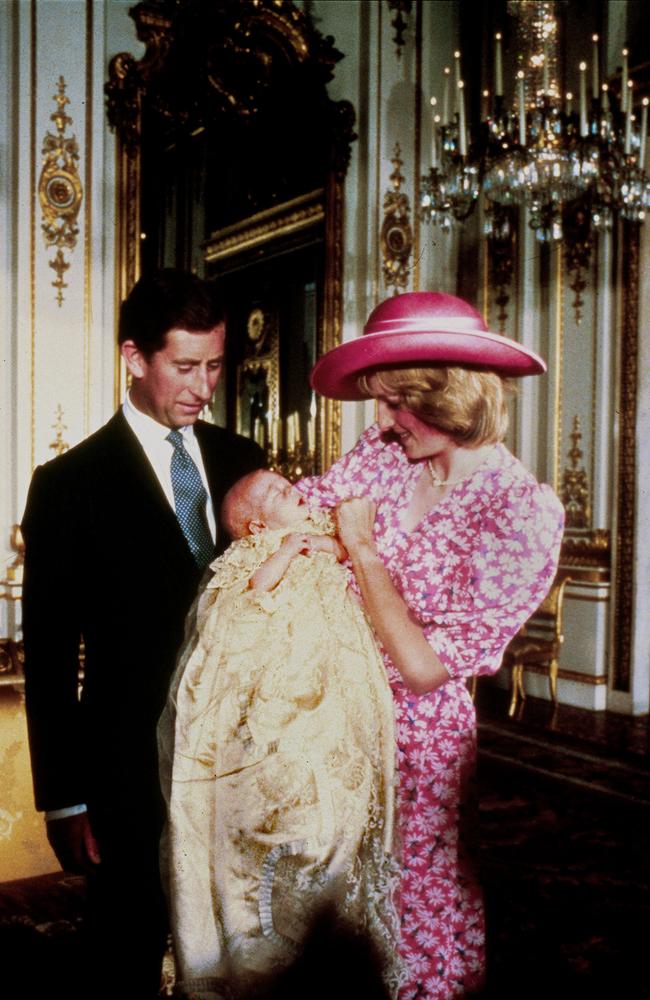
x,y
190,498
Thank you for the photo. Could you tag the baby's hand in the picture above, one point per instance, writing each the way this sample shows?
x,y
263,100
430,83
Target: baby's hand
x,y
297,544
325,543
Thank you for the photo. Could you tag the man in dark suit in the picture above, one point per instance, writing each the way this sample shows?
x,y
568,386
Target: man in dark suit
x,y
118,532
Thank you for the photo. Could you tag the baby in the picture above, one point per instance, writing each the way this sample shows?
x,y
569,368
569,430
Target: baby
x,y
277,752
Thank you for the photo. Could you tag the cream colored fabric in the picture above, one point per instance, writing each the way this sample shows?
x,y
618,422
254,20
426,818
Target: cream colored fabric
x,y
278,758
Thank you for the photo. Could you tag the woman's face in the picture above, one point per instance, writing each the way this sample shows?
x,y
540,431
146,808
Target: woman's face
x,y
418,439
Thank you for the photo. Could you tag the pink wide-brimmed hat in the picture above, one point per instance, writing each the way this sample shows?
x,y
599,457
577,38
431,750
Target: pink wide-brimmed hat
x,y
420,328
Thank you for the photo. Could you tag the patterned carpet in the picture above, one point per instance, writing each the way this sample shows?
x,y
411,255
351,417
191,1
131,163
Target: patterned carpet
x,y
564,837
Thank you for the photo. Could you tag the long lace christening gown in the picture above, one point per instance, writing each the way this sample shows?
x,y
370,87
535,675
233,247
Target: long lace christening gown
x,y
277,751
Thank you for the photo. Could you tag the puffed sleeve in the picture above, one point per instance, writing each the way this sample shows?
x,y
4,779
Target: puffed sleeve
x,y
509,572
356,474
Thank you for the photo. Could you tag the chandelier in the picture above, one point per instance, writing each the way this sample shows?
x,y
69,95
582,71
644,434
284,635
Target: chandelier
x,y
541,149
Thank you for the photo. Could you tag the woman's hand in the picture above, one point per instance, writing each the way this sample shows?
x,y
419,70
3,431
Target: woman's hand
x,y
355,519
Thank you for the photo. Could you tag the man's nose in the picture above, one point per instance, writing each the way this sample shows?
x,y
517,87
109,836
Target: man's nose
x,y
204,383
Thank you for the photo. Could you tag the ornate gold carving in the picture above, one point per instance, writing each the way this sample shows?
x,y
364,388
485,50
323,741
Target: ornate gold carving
x,y
579,243
11,652
58,446
328,423
626,497
501,244
589,549
396,237
59,190
575,493
399,24
233,54
282,220
235,48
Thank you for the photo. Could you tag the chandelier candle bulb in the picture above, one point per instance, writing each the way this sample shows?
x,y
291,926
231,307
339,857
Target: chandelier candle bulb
x,y
486,103
498,66
522,108
604,95
569,103
583,98
628,120
643,134
624,83
445,97
594,69
434,135
545,70
462,135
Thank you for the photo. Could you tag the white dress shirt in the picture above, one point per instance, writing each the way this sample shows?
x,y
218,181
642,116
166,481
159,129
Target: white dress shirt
x,y
152,436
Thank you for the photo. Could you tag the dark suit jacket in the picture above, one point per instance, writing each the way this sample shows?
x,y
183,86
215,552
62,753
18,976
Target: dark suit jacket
x,y
106,559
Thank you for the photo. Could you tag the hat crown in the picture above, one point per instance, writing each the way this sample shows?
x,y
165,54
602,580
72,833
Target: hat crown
x,y
423,311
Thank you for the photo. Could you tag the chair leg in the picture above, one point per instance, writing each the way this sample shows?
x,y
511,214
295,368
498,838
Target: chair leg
x,y
517,687
552,680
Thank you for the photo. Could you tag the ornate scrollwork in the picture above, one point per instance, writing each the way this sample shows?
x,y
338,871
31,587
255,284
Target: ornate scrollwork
x,y
501,242
396,237
59,446
626,498
575,491
59,190
236,52
401,10
578,247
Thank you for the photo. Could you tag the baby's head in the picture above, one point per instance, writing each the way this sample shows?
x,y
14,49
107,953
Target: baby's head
x,y
260,500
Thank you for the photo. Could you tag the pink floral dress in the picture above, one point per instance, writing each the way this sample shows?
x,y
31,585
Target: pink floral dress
x,y
472,571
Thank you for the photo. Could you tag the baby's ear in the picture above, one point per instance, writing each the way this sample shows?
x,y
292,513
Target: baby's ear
x,y
254,527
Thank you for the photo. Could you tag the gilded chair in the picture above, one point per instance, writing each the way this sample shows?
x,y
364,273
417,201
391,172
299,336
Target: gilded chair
x,y
538,644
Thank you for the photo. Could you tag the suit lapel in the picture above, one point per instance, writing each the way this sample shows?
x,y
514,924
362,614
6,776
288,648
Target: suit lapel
x,y
138,482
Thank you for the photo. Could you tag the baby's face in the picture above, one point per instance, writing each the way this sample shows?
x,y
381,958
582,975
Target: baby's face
x,y
277,503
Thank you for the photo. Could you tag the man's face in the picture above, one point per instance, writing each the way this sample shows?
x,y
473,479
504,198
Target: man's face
x,y
173,385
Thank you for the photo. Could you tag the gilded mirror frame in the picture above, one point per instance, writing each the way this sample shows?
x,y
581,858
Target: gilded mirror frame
x,y
254,30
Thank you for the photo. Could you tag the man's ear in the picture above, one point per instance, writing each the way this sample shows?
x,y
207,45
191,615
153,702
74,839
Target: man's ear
x,y
133,358
254,527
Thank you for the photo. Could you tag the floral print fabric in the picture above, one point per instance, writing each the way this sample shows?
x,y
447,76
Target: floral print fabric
x,y
472,571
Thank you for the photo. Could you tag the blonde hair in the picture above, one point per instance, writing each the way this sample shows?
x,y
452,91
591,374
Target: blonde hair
x,y
469,405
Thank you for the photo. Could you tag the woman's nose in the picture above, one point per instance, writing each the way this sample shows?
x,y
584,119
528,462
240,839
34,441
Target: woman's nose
x,y
384,416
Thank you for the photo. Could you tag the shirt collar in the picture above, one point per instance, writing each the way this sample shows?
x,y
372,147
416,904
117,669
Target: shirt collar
x,y
148,430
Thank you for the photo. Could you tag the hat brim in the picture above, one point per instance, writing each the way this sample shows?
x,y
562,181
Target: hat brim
x,y
335,375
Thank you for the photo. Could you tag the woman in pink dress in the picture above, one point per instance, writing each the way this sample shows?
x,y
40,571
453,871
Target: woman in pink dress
x,y
453,544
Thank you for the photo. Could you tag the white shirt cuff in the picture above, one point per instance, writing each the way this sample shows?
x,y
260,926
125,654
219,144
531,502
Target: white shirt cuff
x,y
63,813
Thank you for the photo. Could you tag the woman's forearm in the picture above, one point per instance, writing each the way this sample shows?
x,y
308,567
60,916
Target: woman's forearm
x,y
401,636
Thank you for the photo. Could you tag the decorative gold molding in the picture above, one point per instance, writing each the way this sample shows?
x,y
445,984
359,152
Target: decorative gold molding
x,y
579,243
396,236
328,434
559,364
264,35
417,143
59,446
32,233
575,492
59,190
626,493
401,9
274,223
593,680
88,219
589,549
501,250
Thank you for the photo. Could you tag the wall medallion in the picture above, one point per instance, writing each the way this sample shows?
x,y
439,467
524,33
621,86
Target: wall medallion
x,y
60,190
